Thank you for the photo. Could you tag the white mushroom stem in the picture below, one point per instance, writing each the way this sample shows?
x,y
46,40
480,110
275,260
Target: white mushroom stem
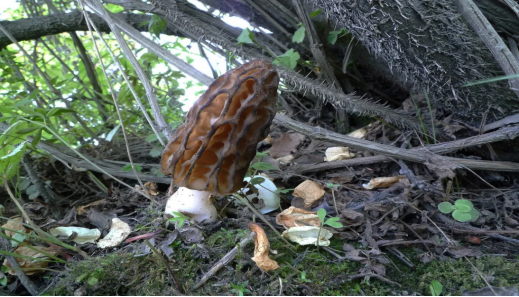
x,y
195,204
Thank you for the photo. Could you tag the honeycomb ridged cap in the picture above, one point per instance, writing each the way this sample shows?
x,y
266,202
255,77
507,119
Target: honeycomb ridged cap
x,y
212,150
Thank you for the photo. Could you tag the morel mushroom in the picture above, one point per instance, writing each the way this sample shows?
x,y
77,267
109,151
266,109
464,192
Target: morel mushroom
x,y
211,152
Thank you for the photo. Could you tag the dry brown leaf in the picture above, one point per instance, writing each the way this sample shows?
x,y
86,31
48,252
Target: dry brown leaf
x,y
151,187
382,182
338,153
37,262
82,209
261,249
310,191
295,217
14,224
285,145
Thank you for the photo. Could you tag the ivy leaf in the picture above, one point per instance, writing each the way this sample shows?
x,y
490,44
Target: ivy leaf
x,y
246,36
299,35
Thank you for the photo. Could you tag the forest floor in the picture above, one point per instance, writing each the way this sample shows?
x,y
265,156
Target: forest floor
x,y
394,241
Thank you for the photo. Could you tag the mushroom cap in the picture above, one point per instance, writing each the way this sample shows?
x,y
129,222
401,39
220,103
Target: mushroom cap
x,y
212,150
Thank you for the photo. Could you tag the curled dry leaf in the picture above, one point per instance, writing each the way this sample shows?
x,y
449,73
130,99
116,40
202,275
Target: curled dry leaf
x,y
36,262
296,217
310,191
306,235
118,232
338,153
151,187
14,224
359,133
82,209
286,159
261,249
382,182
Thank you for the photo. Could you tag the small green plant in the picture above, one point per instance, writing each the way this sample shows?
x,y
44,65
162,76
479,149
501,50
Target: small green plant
x,y
240,289
332,222
303,278
3,277
462,211
436,288
180,218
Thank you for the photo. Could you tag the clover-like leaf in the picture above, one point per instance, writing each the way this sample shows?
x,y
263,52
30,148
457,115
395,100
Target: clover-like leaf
x,y
461,216
463,202
474,215
445,207
333,222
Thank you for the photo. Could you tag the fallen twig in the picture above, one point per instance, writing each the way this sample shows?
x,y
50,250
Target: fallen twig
x,y
224,261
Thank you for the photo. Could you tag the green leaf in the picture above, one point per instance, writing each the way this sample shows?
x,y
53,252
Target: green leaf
x,y
288,59
461,216
462,208
157,25
128,167
474,215
155,152
436,288
299,35
314,13
334,35
333,222
445,207
151,138
56,111
3,280
37,138
257,180
246,36
112,133
27,130
263,166
113,8
16,155
464,202
5,269
321,213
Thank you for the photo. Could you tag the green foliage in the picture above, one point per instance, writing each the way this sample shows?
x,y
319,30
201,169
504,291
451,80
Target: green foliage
x,y
156,25
179,218
288,59
264,166
128,167
299,35
332,222
246,36
240,289
436,288
334,35
462,211
303,278
3,277
315,13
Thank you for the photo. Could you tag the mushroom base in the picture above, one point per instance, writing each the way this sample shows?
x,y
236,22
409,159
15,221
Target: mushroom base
x,y
195,204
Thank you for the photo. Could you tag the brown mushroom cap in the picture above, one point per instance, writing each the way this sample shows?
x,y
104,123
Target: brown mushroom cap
x,y
212,150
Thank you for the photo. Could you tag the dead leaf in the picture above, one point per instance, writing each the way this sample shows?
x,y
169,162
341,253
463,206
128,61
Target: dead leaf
x,y
151,187
352,217
382,182
338,153
14,224
82,209
37,260
261,249
310,191
442,167
286,159
306,235
295,217
285,145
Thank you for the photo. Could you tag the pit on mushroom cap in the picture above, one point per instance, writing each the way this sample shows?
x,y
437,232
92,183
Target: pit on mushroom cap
x,y
212,150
